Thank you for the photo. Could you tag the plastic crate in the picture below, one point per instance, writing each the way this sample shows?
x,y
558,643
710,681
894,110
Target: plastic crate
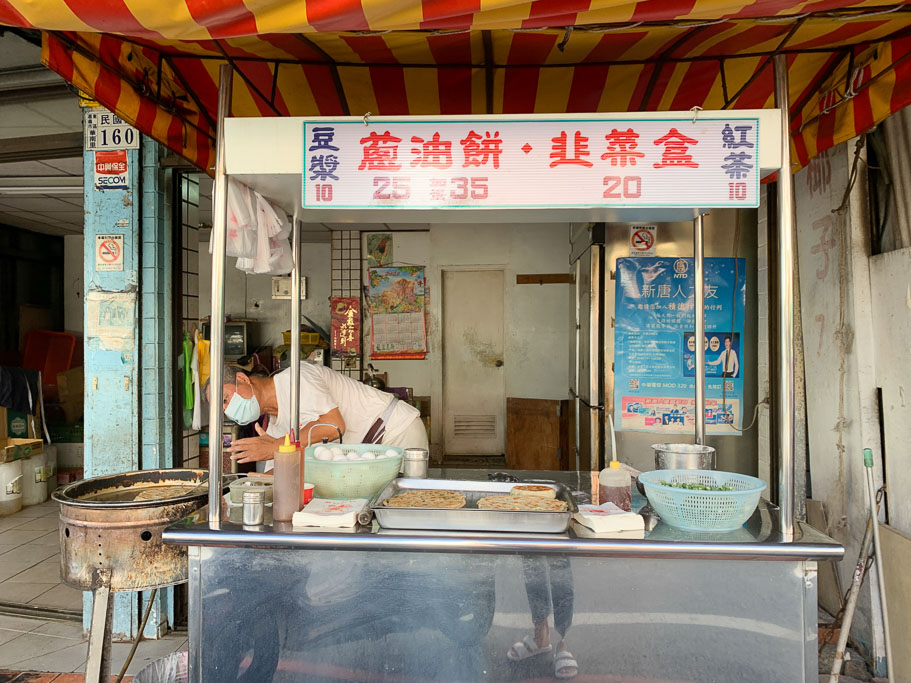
x,y
49,352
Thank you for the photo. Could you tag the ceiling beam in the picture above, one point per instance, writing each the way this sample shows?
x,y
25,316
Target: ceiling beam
x,y
38,147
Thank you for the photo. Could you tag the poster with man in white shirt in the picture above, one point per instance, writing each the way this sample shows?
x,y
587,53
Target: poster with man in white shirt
x,y
727,359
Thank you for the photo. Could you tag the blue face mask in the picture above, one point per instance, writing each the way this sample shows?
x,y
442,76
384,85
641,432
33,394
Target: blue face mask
x,y
242,410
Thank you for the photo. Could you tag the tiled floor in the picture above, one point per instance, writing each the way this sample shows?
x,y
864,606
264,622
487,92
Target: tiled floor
x,y
30,560
37,645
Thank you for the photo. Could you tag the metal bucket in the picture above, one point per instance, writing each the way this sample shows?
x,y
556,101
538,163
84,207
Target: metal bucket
x,y
683,456
124,536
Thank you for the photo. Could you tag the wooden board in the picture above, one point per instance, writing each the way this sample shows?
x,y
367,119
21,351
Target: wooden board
x,y
533,434
896,552
830,592
544,279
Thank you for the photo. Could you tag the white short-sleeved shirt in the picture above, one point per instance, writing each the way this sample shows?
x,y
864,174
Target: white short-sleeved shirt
x,y
323,389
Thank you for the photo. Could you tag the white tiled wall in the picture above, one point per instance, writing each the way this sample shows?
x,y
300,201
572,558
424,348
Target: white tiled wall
x,y
189,249
346,281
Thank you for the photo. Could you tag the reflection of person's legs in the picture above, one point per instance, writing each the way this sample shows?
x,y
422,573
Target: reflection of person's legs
x,y
563,598
537,587
561,590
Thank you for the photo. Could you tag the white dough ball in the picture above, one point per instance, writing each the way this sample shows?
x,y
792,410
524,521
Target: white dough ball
x,y
368,456
337,451
353,455
391,453
338,458
326,454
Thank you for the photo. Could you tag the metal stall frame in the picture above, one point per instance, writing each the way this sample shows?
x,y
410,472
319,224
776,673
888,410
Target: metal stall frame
x,y
785,369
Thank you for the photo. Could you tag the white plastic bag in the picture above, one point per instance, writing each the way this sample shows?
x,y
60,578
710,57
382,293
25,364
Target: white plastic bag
x,y
170,669
240,221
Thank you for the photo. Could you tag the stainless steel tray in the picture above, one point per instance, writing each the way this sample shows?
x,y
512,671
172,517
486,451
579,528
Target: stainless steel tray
x,y
469,518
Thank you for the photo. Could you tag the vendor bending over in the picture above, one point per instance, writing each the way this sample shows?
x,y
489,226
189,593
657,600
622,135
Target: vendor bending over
x,y
330,403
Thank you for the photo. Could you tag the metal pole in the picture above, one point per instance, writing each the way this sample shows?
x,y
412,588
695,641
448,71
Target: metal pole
x,y
785,307
699,305
878,553
217,326
295,327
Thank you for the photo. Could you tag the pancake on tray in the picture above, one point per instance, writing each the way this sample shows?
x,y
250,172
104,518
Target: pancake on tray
x,y
521,503
534,490
426,499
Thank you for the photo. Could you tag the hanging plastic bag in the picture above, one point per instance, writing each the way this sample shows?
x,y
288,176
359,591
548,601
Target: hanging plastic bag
x,y
241,221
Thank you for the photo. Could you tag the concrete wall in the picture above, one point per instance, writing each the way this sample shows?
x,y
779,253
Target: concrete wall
x,y
847,355
890,275
250,296
73,313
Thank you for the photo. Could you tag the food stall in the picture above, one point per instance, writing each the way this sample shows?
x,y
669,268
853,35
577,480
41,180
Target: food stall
x,y
436,597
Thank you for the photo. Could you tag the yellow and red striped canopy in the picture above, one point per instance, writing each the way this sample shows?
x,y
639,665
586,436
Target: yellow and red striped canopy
x,y
156,63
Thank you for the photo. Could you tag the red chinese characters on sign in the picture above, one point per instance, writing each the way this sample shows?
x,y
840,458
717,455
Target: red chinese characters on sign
x,y
676,150
381,152
621,147
562,154
432,153
346,326
479,150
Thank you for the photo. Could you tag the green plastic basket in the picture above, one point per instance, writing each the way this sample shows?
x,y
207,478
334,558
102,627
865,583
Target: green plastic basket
x,y
696,510
352,478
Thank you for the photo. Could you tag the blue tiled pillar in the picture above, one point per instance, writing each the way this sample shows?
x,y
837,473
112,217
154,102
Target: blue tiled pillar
x,y
156,287
127,339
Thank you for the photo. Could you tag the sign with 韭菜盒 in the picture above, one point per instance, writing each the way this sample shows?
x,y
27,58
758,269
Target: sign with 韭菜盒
x,y
502,163
655,345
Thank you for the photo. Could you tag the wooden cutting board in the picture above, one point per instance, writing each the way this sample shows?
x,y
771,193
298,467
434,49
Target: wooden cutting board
x,y
896,552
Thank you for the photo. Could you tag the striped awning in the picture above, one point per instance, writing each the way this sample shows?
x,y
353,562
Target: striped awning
x,y
156,63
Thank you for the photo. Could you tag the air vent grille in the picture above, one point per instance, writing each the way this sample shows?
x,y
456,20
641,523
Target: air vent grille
x,y
475,426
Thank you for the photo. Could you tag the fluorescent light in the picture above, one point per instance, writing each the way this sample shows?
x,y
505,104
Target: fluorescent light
x,y
49,189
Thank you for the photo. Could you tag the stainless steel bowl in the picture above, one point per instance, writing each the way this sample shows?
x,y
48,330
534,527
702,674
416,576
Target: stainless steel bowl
x,y
683,456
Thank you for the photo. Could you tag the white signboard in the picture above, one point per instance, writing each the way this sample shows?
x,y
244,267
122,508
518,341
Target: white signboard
x,y
108,252
531,164
104,130
112,170
642,239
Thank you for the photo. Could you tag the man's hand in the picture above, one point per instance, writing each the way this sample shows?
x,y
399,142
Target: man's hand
x,y
254,448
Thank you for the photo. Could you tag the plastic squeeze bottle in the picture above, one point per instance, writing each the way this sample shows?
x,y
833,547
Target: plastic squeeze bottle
x,y
286,484
615,486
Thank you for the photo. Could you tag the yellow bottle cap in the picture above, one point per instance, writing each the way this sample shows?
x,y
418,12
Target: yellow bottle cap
x,y
614,465
287,447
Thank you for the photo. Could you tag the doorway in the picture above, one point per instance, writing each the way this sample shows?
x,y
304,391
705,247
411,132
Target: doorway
x,y
474,376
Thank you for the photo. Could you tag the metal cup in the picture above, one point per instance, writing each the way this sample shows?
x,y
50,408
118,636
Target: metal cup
x,y
254,507
415,462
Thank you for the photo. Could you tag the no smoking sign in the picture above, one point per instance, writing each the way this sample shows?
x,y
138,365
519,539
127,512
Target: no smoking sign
x,y
642,239
109,252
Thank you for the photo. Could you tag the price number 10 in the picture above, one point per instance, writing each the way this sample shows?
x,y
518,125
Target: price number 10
x,y
737,191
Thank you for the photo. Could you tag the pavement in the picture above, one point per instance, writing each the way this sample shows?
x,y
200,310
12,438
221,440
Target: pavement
x,y
59,647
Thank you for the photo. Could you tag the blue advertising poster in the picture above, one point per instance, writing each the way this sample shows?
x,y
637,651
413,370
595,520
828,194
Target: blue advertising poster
x,y
655,345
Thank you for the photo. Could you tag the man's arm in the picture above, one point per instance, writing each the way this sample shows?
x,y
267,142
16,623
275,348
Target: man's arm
x,y
736,364
319,429
263,447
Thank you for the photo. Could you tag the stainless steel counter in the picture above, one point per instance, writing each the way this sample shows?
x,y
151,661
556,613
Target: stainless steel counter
x,y
274,604
759,539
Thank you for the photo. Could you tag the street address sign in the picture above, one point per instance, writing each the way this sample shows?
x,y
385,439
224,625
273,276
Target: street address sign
x,y
107,131
502,163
